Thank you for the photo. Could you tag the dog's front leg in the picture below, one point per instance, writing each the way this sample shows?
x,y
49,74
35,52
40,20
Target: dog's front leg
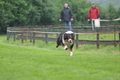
x,y
71,50
65,47
71,53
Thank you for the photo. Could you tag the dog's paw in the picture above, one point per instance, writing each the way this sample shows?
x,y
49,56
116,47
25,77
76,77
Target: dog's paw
x,y
65,48
57,46
71,53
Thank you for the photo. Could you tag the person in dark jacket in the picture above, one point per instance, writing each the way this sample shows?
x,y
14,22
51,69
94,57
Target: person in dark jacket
x,y
93,13
66,16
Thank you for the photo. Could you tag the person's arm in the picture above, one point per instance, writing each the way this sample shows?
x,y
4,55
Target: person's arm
x,y
98,13
89,13
71,15
61,16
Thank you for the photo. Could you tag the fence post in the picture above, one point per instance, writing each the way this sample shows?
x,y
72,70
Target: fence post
x,y
43,27
14,35
46,38
57,35
119,41
62,27
30,37
8,36
98,40
33,38
76,40
114,36
22,38
82,26
107,26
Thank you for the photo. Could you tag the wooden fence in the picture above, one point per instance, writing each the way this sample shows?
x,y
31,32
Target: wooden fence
x,y
34,34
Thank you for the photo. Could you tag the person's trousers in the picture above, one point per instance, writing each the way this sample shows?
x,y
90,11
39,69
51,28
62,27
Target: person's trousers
x,y
68,25
93,25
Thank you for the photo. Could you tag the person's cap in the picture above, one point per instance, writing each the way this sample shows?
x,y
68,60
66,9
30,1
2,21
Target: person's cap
x,y
93,2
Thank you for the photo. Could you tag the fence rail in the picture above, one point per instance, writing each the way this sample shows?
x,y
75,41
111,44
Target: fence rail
x,y
33,34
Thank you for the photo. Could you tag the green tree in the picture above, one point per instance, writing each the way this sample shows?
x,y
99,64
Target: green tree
x,y
46,12
112,12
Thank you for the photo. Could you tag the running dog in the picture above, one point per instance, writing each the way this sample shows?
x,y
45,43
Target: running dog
x,y
66,39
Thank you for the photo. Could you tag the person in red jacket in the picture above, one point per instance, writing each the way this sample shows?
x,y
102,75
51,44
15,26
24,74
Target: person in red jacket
x,y
93,13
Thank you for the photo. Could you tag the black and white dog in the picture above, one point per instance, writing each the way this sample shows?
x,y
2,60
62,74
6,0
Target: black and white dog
x,y
66,39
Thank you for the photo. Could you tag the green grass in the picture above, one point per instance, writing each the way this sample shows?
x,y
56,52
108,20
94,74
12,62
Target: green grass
x,y
44,62
102,36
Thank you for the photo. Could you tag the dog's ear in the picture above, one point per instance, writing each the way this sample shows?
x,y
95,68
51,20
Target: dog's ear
x,y
65,35
73,35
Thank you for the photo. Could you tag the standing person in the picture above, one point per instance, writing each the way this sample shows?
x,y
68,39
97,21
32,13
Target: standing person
x,y
94,13
67,16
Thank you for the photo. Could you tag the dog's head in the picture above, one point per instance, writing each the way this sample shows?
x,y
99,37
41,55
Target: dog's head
x,y
69,37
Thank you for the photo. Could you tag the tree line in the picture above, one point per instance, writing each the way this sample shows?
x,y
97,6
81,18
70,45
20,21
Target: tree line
x,y
47,12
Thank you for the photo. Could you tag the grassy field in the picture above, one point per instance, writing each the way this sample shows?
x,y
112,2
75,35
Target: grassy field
x,y
45,62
